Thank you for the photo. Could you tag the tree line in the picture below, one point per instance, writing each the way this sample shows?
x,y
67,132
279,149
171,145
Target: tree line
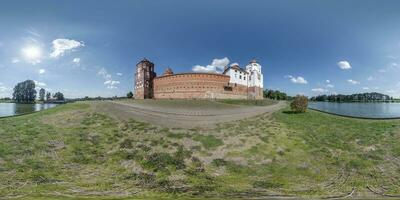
x,y
276,95
25,92
361,97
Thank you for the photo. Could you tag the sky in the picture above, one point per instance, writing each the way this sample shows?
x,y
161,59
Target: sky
x,y
310,47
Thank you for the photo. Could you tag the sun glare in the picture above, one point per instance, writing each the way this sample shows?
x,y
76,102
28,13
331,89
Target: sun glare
x,y
32,52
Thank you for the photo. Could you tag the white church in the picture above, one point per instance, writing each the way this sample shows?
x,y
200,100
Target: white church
x,y
250,77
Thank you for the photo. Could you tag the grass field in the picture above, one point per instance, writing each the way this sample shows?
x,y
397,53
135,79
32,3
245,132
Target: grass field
x,y
73,151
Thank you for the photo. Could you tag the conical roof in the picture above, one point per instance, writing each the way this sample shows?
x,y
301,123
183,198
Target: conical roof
x,y
168,71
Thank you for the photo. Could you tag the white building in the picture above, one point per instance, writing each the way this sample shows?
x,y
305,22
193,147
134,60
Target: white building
x,y
255,74
237,74
249,77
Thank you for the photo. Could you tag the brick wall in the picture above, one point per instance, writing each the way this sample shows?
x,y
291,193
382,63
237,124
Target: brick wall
x,y
197,86
255,93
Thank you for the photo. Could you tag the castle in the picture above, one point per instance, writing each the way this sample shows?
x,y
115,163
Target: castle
x,y
233,83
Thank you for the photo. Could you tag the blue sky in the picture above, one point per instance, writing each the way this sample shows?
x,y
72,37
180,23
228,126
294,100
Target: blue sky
x,y
90,48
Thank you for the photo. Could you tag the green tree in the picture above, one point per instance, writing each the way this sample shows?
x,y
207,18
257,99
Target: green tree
x,y
275,94
299,104
42,92
24,92
59,96
129,95
48,96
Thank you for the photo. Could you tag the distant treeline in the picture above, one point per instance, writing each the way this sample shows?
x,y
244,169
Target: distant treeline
x,y
362,97
276,95
99,98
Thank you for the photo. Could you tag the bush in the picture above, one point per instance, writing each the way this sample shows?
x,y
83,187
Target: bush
x,y
299,104
129,95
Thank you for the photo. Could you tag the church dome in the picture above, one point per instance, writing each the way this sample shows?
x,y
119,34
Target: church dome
x,y
235,66
253,60
168,72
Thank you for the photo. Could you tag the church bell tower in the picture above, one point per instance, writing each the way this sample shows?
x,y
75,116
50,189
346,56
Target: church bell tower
x,y
144,80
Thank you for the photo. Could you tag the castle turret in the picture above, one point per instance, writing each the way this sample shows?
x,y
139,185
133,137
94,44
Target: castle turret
x,y
168,72
256,82
144,79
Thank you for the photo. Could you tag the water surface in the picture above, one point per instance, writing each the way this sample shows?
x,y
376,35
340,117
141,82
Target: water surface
x,y
364,110
10,109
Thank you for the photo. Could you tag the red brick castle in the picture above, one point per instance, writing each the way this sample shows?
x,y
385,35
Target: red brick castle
x,y
233,83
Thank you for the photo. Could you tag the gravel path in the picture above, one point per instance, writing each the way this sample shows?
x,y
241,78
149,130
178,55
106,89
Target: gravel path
x,y
182,117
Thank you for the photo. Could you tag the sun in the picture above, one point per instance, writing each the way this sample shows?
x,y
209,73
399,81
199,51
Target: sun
x,y
32,52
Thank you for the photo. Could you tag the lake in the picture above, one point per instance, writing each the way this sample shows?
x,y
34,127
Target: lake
x,y
362,110
10,109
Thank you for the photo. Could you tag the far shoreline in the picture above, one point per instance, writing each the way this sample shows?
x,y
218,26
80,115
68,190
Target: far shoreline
x,y
354,117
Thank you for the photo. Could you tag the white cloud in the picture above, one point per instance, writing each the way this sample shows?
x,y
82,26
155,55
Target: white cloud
x,y
382,70
15,60
319,90
33,32
216,66
365,88
40,84
297,80
119,74
330,86
76,60
60,46
103,72
4,89
394,93
207,69
220,63
41,71
353,82
344,65
109,82
370,78
328,81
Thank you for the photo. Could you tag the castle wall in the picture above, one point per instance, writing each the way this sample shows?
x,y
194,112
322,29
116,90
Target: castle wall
x,y
198,86
256,93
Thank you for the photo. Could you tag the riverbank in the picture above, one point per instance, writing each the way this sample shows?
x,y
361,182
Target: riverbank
x,y
74,150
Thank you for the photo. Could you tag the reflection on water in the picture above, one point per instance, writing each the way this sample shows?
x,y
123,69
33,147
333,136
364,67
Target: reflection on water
x,y
368,110
10,109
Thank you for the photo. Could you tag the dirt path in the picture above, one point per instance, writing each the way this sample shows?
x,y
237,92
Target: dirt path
x,y
184,117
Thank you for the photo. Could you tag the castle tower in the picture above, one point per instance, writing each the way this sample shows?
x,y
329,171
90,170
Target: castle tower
x,y
256,81
144,80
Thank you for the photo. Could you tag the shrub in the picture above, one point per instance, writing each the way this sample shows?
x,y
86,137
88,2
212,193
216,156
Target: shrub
x,y
299,104
129,95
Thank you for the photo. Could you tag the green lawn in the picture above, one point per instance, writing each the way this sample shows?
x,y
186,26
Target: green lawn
x,y
72,151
